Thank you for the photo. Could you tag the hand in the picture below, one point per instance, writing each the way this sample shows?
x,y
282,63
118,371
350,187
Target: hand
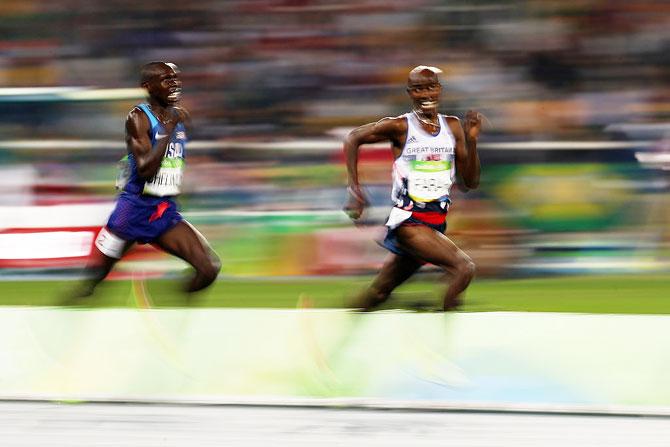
x,y
179,113
356,203
472,124
173,119
182,115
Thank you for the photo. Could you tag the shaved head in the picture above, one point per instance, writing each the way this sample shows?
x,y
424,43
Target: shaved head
x,y
422,72
153,69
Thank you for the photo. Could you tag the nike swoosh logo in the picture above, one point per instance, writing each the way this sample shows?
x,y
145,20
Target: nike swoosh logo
x,y
160,136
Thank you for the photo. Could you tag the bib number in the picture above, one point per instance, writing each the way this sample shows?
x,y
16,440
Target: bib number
x,y
166,182
429,180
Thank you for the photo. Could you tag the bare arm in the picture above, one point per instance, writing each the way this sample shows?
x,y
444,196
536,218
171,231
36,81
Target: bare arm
x,y
392,129
184,116
138,142
467,157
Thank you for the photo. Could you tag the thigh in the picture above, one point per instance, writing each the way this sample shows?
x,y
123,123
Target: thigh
x,y
430,246
187,243
109,245
396,270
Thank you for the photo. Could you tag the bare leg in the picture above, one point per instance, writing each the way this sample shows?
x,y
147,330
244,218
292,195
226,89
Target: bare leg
x,y
188,244
396,270
429,245
97,268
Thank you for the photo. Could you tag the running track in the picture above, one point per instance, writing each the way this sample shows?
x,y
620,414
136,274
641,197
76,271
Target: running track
x,y
138,425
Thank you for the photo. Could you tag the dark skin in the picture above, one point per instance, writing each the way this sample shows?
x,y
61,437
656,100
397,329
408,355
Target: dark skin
x,y
423,244
183,241
167,110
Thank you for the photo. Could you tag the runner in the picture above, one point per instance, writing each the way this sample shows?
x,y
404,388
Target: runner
x,y
430,149
145,211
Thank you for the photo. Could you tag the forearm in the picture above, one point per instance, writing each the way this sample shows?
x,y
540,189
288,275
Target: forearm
x,y
472,165
150,163
351,156
356,201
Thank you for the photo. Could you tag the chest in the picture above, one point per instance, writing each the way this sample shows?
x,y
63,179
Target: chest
x,y
433,148
176,145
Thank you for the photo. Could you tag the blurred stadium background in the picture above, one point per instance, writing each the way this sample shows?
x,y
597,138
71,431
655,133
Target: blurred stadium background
x,y
572,215
576,94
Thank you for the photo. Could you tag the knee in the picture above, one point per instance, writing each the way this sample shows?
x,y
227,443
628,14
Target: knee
x,y
210,270
467,269
216,262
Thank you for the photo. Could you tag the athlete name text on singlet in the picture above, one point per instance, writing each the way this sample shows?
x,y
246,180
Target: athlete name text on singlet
x,y
168,178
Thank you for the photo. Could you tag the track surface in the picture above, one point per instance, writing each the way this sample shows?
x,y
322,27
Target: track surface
x,y
118,425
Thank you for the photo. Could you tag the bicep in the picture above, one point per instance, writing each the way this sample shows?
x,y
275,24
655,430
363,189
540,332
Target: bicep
x,y
382,130
137,136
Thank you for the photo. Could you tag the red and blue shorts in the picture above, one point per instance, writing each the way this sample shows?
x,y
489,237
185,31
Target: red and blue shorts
x,y
142,218
435,220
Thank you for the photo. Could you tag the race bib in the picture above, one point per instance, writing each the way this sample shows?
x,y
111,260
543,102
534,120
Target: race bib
x,y
429,180
167,181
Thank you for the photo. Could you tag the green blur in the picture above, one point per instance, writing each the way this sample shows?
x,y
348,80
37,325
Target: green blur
x,y
634,294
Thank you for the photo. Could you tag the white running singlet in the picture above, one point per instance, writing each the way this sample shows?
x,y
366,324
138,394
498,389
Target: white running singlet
x,y
426,168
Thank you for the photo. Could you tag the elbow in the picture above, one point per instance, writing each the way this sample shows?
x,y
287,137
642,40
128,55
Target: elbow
x,y
146,173
471,184
350,143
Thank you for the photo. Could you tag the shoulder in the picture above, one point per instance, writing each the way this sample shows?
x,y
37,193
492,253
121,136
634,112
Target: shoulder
x,y
137,118
395,119
393,123
136,112
386,128
454,124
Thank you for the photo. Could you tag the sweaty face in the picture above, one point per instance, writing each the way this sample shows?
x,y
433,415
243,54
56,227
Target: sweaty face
x,y
425,92
166,85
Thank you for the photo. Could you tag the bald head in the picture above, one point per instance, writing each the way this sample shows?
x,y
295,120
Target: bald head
x,y
153,69
422,73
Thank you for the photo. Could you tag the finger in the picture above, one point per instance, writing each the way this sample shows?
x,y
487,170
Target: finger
x,y
353,215
352,210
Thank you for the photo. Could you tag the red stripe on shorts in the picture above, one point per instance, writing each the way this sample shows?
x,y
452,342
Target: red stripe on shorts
x,y
160,209
430,217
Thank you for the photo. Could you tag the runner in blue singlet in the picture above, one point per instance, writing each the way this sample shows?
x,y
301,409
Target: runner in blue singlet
x,y
151,177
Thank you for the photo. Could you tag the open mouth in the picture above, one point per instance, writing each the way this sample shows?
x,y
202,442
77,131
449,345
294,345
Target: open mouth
x,y
175,95
428,104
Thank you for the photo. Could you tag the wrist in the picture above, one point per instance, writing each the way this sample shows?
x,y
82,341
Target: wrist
x,y
356,192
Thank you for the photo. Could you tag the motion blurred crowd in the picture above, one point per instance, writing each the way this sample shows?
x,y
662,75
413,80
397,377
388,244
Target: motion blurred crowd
x,y
259,73
539,69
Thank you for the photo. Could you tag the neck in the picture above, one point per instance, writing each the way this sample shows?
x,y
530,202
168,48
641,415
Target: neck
x,y
428,120
161,111
157,105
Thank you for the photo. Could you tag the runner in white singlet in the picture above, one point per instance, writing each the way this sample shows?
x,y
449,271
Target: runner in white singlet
x,y
429,150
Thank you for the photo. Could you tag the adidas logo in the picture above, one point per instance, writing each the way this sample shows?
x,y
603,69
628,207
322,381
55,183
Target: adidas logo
x,y
411,140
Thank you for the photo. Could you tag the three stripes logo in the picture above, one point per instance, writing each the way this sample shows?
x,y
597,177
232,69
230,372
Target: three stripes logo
x,y
411,140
